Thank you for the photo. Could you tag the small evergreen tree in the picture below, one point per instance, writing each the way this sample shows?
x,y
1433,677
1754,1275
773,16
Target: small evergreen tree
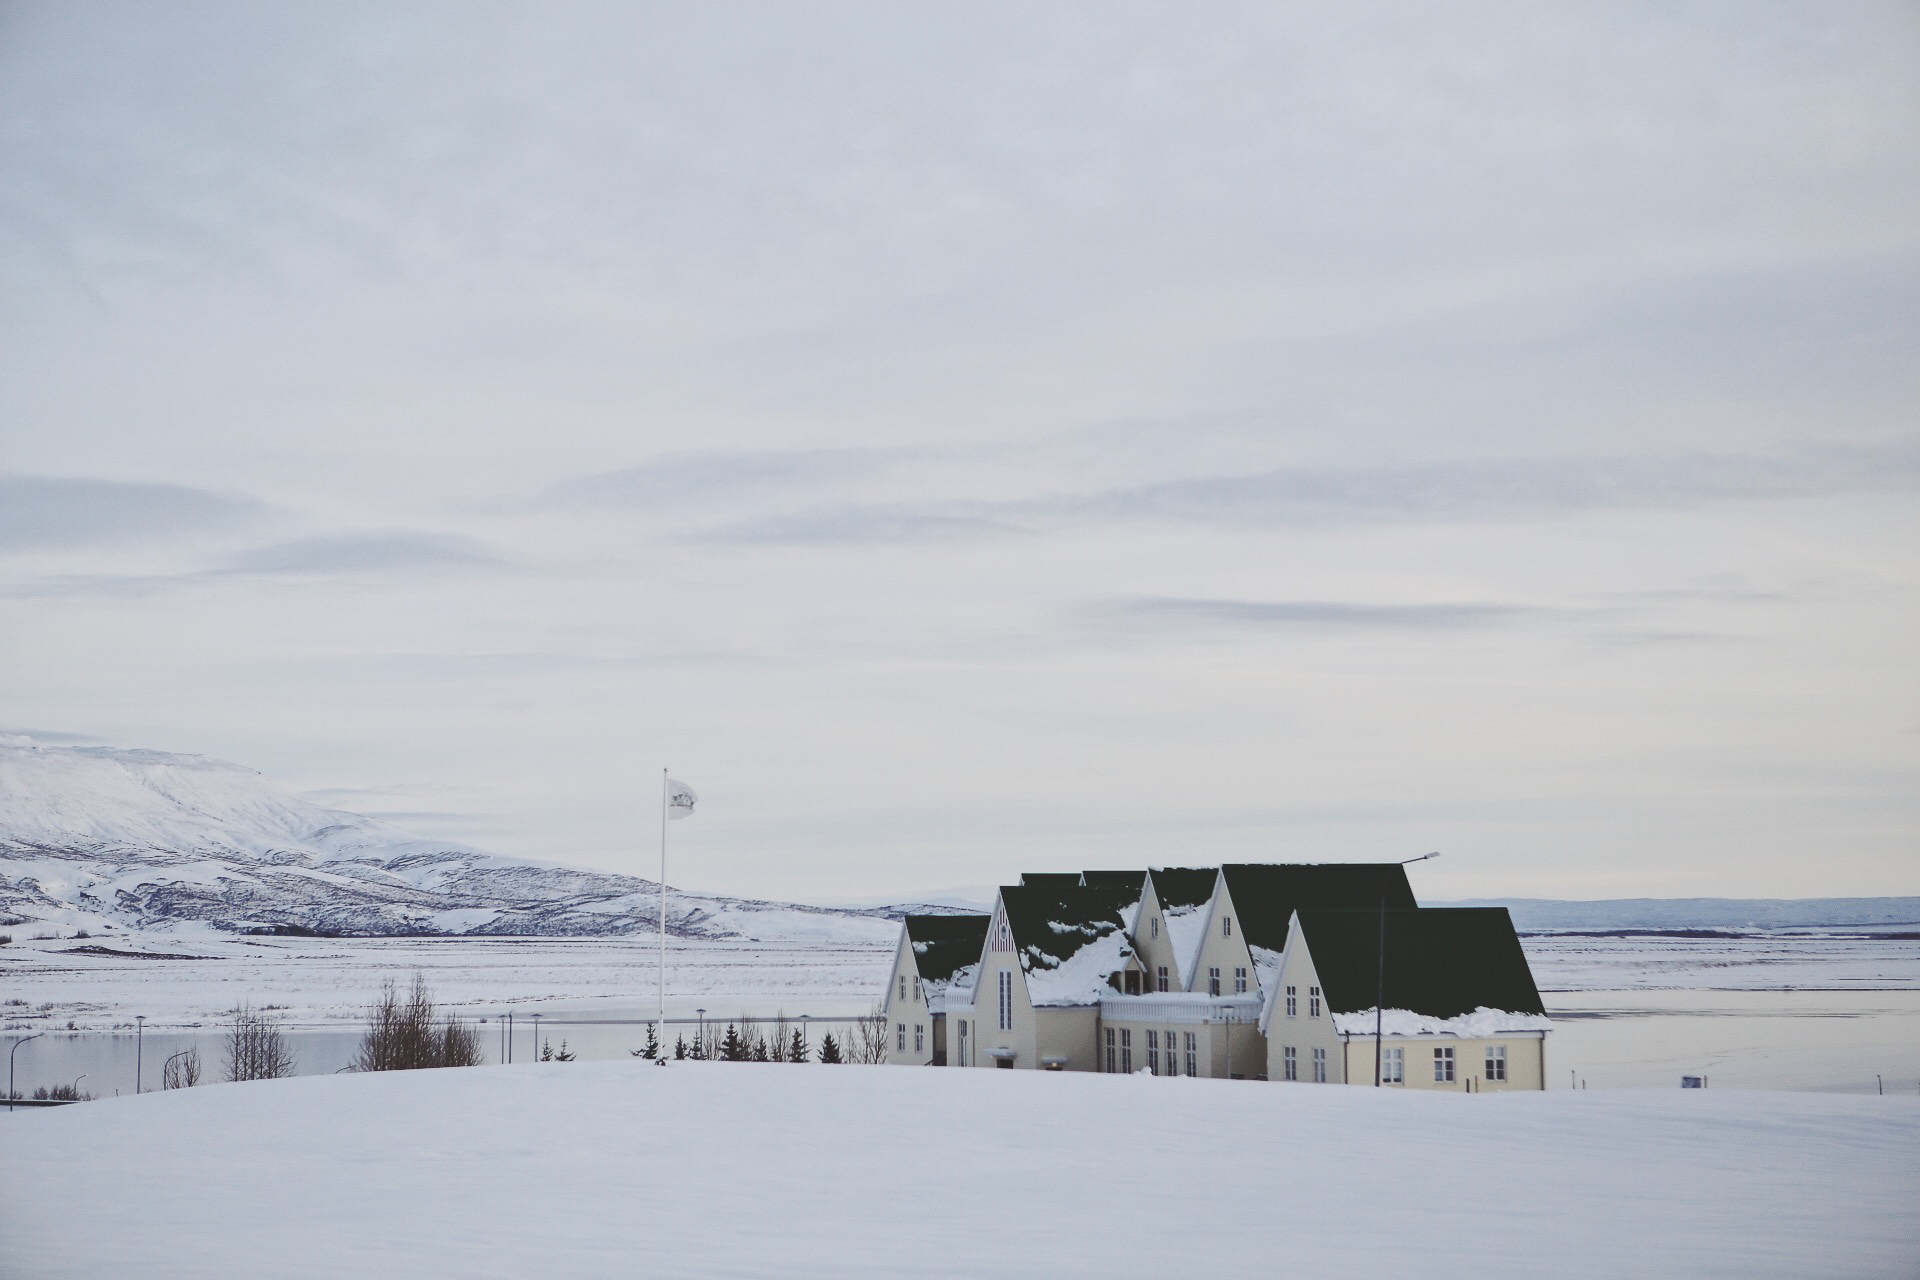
x,y
650,1050
732,1048
564,1055
546,1051
680,1047
829,1049
797,1047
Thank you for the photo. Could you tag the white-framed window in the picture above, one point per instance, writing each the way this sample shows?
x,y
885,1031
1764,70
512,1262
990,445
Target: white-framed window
x,y
1393,1066
1290,1063
1153,1051
1226,926
962,1055
903,986
1155,925
1161,978
1313,1002
1293,1002
1239,981
1006,1000
1002,935
1496,1062
1319,1066
1193,1054
919,1037
917,998
1173,1055
1443,1065
1213,981
1126,1051
900,1037
1113,1059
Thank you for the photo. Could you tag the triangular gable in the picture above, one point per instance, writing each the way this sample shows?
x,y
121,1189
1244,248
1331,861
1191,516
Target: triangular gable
x,y
1185,896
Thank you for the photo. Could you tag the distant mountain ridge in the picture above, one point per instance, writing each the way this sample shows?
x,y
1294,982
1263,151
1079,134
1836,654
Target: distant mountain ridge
x,y
91,835
1547,915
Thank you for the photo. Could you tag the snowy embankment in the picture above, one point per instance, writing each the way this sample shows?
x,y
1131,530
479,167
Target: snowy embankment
x,y
741,1170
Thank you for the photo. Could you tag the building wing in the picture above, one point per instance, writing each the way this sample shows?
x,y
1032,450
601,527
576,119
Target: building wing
x,y
946,950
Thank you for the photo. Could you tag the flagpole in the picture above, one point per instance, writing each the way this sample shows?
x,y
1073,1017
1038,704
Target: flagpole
x,y
663,915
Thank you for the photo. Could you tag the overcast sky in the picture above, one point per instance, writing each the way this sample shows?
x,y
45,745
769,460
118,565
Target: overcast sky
x,y
967,439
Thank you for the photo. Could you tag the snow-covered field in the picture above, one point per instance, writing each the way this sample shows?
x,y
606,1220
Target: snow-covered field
x,y
692,1170
1761,962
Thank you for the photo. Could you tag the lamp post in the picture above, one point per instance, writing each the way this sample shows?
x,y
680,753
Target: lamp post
x,y
700,1040
536,1037
16,1048
1380,982
139,1044
75,1088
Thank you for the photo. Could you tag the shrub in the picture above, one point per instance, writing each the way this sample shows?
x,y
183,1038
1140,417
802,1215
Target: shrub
x,y
256,1047
402,1034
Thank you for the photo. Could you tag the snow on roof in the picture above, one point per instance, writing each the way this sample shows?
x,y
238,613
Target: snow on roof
x,y
1069,940
1184,886
1405,1022
945,945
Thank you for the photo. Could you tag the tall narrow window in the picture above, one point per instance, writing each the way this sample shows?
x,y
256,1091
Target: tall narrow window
x,y
919,1037
903,986
1006,1000
1153,1052
1393,1066
1126,1051
1239,982
1319,1066
900,1037
1290,1063
1443,1065
1496,1062
1213,981
1313,1002
1113,1061
1156,926
1293,1002
916,991
963,1044
1161,978
1193,1054
1226,926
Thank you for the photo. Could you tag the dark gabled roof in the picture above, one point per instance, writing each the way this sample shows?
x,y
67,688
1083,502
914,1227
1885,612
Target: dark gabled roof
x,y
1134,880
944,945
1050,879
1441,961
1266,894
1184,886
1050,925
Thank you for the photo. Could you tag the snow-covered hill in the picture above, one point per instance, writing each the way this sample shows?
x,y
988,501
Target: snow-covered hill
x,y
97,837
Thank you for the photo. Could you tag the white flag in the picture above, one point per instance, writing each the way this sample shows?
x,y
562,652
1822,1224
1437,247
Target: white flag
x,y
680,798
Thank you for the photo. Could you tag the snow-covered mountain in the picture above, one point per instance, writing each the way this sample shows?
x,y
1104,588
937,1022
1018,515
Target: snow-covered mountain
x,y
98,836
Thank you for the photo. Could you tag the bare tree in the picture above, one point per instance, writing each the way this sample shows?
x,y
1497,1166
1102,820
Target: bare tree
x,y
868,1042
406,1033
182,1070
256,1047
780,1039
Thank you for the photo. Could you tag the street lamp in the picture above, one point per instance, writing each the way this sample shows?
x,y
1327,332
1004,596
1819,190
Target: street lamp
x,y
11,1094
139,1028
536,1037
1380,981
700,1042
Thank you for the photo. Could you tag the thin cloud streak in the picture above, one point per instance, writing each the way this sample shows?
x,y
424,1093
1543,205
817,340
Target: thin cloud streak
x,y
58,512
